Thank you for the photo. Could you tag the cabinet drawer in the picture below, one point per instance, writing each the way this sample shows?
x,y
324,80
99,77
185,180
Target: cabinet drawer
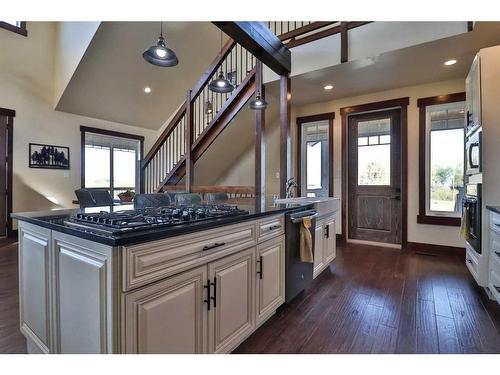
x,y
271,227
493,284
148,262
495,261
494,242
472,262
495,222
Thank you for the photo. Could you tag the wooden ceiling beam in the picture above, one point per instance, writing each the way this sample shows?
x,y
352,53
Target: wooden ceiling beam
x,y
259,40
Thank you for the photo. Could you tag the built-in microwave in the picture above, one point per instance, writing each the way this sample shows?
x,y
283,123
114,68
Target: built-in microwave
x,y
473,153
472,210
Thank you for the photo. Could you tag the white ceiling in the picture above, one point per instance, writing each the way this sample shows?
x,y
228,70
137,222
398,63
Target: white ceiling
x,y
109,81
404,67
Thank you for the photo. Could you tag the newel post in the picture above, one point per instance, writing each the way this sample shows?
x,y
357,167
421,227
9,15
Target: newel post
x,y
260,144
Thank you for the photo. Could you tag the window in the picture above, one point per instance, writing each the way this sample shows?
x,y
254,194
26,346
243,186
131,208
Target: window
x,y
315,150
15,26
374,152
442,131
111,160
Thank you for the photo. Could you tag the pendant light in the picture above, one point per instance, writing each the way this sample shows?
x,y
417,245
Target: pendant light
x,y
258,103
159,54
221,84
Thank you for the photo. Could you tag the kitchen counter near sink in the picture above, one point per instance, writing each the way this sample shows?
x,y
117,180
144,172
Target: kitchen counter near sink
x,y
323,205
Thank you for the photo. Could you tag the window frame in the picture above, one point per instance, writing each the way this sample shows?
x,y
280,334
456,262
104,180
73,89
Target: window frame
x,y
21,30
327,116
423,216
86,129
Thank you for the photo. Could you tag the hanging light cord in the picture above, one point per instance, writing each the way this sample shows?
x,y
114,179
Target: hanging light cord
x,y
161,29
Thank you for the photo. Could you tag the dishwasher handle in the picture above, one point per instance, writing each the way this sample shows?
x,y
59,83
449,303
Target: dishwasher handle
x,y
297,217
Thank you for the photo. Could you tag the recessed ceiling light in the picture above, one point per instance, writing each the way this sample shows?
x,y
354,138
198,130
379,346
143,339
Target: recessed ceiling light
x,y
450,62
328,87
147,89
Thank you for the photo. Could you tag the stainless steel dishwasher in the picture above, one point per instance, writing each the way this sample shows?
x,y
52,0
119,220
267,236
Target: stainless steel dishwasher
x,y
298,275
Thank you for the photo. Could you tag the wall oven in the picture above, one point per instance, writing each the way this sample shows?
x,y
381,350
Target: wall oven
x,y
472,210
473,153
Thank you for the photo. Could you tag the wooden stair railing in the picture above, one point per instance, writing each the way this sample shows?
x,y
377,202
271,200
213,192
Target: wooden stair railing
x,y
204,113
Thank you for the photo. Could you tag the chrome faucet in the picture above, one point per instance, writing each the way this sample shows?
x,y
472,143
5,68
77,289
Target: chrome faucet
x,y
290,183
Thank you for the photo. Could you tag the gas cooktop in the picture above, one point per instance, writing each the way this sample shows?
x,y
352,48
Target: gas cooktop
x,y
142,219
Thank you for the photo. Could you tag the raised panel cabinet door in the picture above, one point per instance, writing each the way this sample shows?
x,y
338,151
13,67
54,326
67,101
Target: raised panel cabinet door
x,y
318,249
168,317
329,241
232,314
270,277
34,286
81,299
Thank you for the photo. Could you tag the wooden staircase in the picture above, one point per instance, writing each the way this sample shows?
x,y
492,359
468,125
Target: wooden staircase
x,y
199,120
205,114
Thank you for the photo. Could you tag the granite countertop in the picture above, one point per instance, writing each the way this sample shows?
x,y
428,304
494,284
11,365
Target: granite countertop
x,y
495,209
54,220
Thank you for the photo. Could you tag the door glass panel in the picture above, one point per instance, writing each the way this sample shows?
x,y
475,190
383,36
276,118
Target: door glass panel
x,y
314,159
123,170
374,159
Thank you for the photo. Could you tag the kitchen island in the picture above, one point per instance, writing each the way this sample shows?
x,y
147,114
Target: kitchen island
x,y
199,287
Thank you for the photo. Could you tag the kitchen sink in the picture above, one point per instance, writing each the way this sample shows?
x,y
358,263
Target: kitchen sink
x,y
324,205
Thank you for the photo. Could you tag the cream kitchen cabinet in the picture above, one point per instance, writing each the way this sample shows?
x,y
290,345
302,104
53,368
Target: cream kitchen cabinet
x,y
232,314
168,316
473,93
270,277
325,244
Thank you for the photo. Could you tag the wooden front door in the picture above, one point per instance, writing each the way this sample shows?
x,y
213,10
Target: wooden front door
x,y
374,176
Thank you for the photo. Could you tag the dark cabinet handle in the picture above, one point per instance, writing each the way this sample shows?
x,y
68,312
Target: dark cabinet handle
x,y
259,272
497,253
208,294
469,117
469,261
213,246
327,231
273,227
497,288
214,298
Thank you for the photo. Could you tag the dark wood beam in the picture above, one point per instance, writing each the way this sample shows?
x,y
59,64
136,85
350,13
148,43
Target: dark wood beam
x,y
188,138
259,40
344,54
285,149
260,144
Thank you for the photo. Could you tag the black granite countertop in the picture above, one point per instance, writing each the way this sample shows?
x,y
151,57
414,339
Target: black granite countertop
x,y
495,209
55,220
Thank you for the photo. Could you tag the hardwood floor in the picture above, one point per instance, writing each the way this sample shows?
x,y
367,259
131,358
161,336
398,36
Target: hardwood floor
x,y
370,300
377,300
11,340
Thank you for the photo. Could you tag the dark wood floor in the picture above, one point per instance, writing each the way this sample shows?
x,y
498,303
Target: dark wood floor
x,y
370,300
376,300
11,340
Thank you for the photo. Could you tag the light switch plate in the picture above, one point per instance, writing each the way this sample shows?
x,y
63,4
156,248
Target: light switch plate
x,y
277,175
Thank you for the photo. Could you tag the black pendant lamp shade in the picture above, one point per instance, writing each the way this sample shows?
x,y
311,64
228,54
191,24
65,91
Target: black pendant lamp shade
x,y
221,84
160,54
258,103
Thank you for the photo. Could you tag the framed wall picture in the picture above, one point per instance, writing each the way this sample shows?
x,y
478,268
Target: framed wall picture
x,y
48,156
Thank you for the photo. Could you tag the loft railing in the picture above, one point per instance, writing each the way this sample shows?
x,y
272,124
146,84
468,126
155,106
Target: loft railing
x,y
201,109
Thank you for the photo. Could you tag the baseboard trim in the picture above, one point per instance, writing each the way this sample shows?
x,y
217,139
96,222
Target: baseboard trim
x,y
435,249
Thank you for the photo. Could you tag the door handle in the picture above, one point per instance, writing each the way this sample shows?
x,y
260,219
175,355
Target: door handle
x,y
259,272
214,298
208,294
213,246
396,197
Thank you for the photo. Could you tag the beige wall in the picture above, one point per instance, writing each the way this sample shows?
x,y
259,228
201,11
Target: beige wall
x,y
27,86
440,235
